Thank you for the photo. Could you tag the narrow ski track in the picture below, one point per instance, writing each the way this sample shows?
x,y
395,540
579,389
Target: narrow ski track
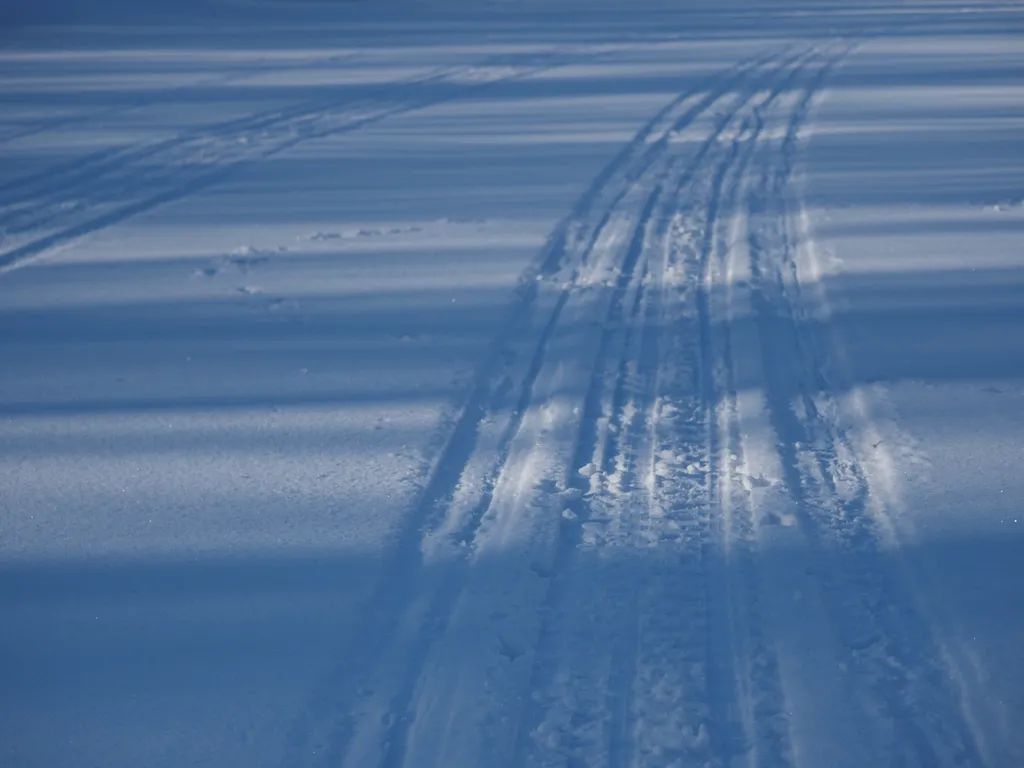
x,y
86,118
41,212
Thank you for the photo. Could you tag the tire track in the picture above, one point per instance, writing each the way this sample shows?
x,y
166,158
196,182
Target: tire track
x,y
588,273
715,738
718,646
513,362
894,666
702,709
745,697
599,446
758,703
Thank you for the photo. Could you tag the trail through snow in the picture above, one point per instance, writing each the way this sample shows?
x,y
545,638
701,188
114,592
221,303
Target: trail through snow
x,y
513,387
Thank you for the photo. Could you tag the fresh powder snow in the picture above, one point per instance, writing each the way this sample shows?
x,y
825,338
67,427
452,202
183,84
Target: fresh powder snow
x,y
512,384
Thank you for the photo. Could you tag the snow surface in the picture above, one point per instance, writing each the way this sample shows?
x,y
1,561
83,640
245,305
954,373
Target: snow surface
x,y
512,383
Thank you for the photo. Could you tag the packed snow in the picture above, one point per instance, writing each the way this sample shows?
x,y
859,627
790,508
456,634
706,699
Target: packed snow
x,y
563,384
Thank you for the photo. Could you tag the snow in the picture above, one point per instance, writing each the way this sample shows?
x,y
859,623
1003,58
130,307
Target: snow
x,y
511,383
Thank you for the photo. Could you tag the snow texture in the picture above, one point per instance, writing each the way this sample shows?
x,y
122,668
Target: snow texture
x,y
512,383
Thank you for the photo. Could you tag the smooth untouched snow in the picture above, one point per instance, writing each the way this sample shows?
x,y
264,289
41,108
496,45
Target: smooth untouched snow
x,y
512,384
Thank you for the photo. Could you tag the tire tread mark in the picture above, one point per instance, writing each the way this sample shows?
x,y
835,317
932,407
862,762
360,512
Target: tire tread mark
x,y
589,446
893,661
398,586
